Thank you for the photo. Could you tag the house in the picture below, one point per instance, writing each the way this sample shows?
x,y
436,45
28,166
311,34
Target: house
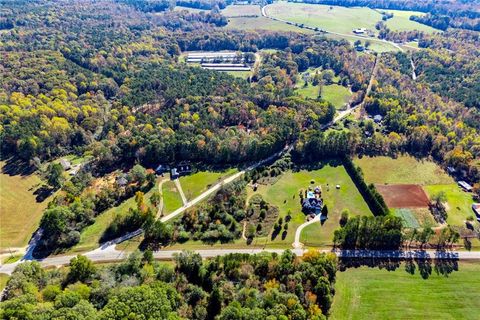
x,y
184,168
476,209
465,186
377,118
312,205
66,165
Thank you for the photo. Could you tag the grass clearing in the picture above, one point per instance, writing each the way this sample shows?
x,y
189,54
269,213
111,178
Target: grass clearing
x,y
242,11
20,213
284,195
336,95
459,203
376,45
191,10
401,21
193,185
370,293
171,197
12,258
402,170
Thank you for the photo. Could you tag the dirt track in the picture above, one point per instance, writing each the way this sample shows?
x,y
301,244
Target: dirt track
x,y
404,195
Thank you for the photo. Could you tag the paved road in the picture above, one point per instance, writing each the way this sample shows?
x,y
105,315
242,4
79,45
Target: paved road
x,y
110,254
297,244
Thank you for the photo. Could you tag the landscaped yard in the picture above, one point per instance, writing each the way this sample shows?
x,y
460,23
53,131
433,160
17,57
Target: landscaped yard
x,y
20,213
285,195
193,185
370,293
402,170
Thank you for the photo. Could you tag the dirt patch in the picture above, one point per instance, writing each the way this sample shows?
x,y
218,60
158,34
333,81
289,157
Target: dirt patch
x,y
404,195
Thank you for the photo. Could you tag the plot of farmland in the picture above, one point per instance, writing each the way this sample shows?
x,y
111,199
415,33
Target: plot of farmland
x,y
404,195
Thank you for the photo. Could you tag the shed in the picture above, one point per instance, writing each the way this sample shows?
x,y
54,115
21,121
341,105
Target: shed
x,y
377,118
465,186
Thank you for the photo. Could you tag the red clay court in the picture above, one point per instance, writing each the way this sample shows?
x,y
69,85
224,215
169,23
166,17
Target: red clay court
x,y
404,195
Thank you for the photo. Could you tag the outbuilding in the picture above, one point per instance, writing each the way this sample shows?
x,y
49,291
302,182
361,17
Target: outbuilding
x,y
465,186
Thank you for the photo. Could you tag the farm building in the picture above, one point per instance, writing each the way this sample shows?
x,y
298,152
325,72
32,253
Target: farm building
x,y
162,168
476,209
222,61
465,186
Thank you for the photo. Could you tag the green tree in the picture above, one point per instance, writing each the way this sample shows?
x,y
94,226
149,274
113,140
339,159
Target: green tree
x,y
81,269
54,175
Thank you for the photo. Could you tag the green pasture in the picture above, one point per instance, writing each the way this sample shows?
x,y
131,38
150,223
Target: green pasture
x,y
370,293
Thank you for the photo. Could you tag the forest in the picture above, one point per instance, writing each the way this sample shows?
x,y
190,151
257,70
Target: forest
x,y
236,286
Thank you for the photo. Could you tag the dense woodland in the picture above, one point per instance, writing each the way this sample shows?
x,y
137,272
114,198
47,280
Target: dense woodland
x,y
266,286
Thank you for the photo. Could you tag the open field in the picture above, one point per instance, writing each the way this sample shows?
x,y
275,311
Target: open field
x,y
370,293
240,74
193,185
90,236
171,197
402,170
401,21
336,95
343,19
20,213
284,195
242,11
329,18
415,217
459,203
262,23
404,195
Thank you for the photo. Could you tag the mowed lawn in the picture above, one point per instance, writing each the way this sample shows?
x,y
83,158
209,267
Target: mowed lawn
x,y
90,236
194,184
285,195
171,197
20,213
402,170
371,293
459,202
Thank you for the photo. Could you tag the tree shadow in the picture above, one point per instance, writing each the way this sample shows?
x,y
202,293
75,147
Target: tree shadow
x,y
43,193
14,167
